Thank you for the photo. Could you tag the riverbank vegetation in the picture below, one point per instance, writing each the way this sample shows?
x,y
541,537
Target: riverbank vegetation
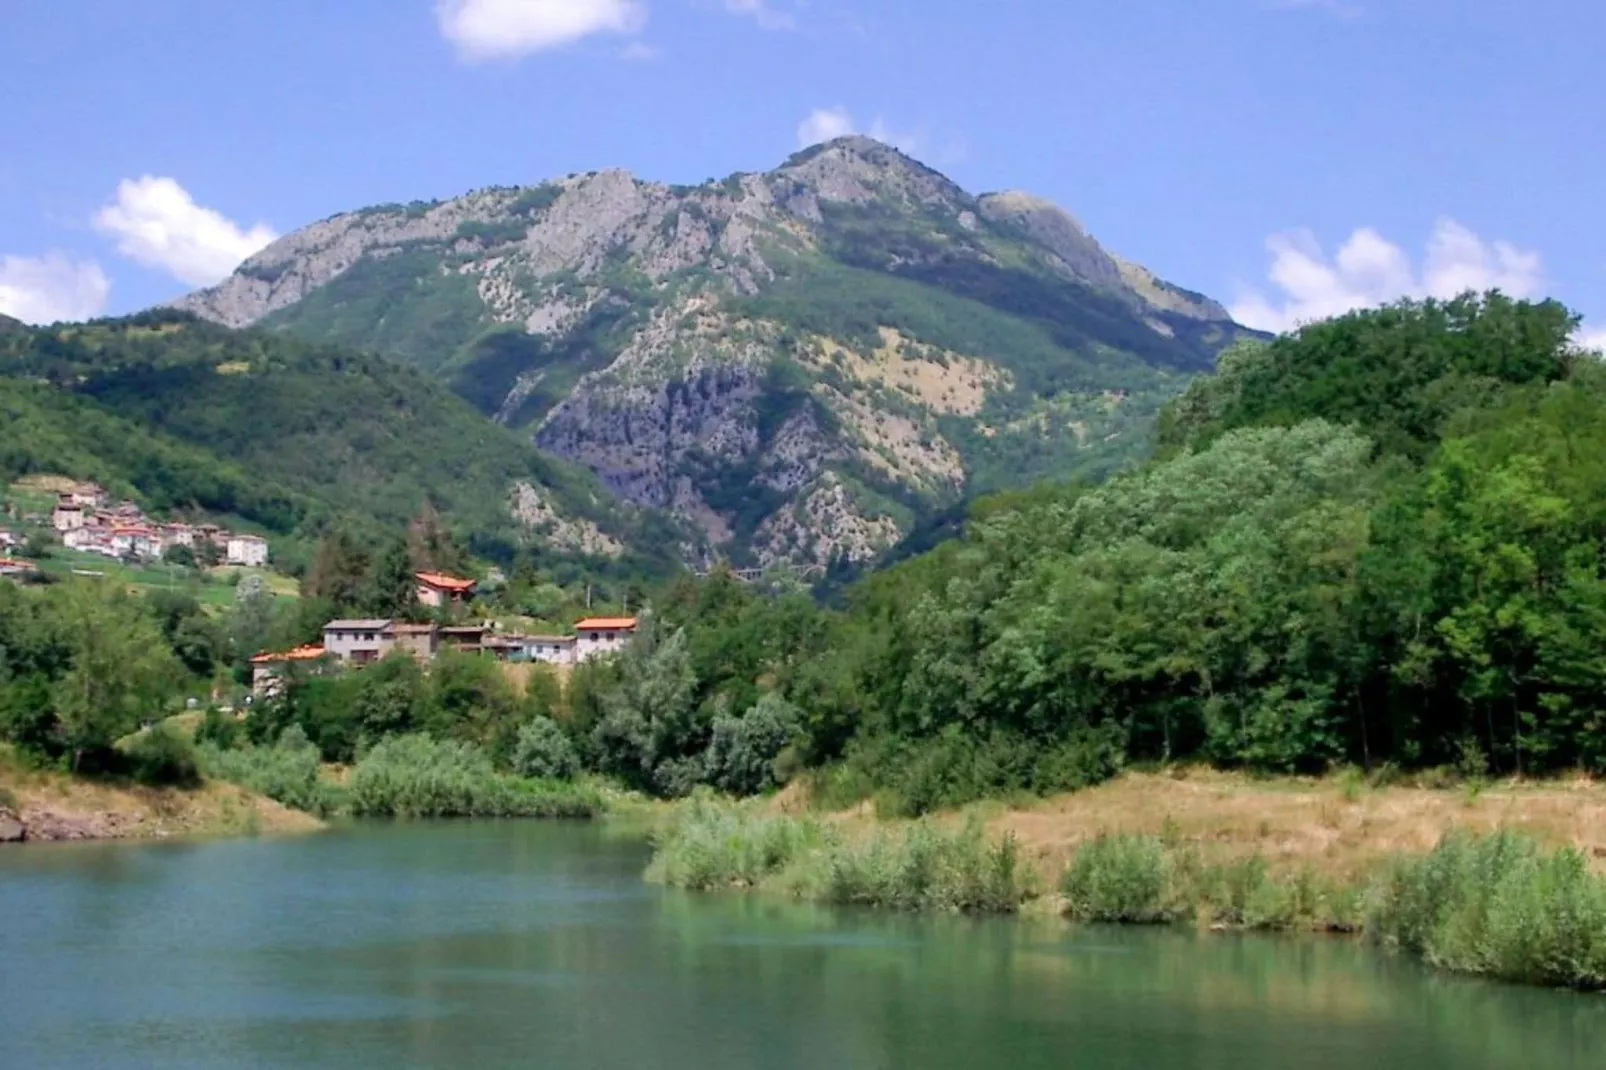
x,y
1498,904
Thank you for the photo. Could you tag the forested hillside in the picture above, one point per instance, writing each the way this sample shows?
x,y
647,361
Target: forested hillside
x,y
804,365
1379,540
291,437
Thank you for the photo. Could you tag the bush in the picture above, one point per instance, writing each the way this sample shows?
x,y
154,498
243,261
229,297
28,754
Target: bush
x,y
543,751
926,868
416,776
717,845
1496,905
742,750
930,869
1121,879
221,730
287,771
162,755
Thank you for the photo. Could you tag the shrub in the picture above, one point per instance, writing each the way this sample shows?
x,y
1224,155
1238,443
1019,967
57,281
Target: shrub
x,y
542,750
416,776
287,771
716,845
162,755
928,868
742,751
925,868
1496,905
1122,879
220,729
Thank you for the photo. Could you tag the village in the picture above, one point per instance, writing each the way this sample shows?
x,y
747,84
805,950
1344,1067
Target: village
x,y
88,521
357,642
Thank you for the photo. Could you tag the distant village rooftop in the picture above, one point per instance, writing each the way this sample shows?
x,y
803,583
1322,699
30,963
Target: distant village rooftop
x,y
605,624
445,582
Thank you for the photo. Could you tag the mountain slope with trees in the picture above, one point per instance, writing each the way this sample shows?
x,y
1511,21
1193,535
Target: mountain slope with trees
x,y
291,437
803,364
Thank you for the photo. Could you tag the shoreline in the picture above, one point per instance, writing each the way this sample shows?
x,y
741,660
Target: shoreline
x,y
1505,881
43,806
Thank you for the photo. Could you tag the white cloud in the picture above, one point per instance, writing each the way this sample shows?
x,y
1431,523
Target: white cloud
x,y
158,223
51,288
1370,270
508,29
1591,338
825,124
762,13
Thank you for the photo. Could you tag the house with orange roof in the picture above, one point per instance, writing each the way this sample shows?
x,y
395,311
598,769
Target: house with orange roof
x,y
268,668
602,635
436,589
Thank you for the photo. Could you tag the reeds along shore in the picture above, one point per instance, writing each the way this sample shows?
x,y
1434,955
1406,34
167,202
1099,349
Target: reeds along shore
x,y
1498,904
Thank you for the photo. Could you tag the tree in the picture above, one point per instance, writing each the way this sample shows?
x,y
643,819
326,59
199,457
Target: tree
x,y
649,733
339,568
121,671
391,590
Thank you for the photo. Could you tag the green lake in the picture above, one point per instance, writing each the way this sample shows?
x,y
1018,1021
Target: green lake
x,y
531,944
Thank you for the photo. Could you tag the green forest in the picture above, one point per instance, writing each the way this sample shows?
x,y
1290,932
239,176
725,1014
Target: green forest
x,y
1378,541
291,438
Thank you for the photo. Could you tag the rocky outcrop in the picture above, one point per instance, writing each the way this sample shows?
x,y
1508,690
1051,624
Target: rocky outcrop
x,y
11,828
689,343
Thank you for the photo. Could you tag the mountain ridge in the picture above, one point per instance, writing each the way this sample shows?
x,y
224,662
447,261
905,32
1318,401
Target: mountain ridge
x,y
801,363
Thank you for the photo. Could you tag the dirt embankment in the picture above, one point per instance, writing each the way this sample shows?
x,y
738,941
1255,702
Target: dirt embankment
x,y
42,806
1341,828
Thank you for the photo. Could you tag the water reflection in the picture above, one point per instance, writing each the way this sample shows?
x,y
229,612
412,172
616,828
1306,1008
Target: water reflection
x,y
526,944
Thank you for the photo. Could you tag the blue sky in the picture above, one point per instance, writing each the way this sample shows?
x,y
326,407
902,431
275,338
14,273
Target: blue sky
x,y
1290,157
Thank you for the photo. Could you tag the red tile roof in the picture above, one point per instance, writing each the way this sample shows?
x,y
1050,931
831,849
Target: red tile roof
x,y
606,624
310,652
444,582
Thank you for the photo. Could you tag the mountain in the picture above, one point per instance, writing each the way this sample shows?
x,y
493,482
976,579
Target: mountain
x,y
802,364
289,436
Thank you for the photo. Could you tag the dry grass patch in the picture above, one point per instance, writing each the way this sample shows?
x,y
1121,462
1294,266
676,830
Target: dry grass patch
x,y
1335,826
53,805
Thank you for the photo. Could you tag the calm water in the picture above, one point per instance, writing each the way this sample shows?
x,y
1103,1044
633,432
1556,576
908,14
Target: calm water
x,y
531,944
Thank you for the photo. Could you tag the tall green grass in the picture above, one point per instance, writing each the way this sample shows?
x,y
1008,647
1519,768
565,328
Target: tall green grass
x,y
921,867
288,771
1497,905
416,776
1143,880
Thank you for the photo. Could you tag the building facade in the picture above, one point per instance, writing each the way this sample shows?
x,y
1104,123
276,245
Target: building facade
x,y
436,589
359,642
248,550
602,635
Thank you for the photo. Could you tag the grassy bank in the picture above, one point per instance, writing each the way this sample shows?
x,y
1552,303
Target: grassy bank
x,y
53,805
405,776
1488,880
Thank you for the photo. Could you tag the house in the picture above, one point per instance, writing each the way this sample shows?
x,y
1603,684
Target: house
x,y
88,495
9,539
135,541
267,669
68,514
469,638
602,635
249,550
180,535
552,649
436,589
505,647
359,641
422,641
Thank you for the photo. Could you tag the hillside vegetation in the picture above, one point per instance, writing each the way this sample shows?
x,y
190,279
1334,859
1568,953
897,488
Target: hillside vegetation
x,y
805,365
1395,564
290,437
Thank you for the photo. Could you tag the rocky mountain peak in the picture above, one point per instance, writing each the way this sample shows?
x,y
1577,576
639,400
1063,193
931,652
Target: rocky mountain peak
x,y
797,364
